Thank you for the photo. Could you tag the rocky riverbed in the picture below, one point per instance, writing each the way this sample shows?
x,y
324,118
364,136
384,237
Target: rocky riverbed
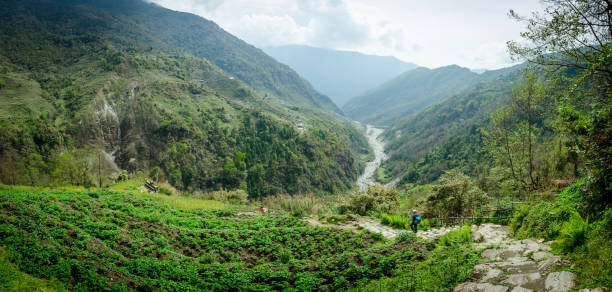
x,y
378,146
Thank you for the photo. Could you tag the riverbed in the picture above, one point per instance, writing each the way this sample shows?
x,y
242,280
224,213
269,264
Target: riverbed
x,y
367,178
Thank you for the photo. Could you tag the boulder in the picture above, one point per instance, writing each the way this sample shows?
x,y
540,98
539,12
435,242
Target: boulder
x,y
560,281
521,289
479,287
522,279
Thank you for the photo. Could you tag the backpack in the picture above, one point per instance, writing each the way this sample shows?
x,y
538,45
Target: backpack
x,y
417,219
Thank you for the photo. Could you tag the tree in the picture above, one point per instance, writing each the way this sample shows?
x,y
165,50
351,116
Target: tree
x,y
516,137
572,40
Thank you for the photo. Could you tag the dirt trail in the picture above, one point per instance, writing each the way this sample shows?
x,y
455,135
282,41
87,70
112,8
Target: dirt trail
x,y
514,265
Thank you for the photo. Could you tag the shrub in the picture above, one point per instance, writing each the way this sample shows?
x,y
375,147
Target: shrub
x,y
377,236
397,221
464,235
378,198
405,236
573,233
455,196
546,219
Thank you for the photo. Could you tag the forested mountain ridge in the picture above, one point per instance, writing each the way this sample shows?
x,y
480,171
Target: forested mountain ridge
x,y
161,28
446,135
80,84
408,93
341,75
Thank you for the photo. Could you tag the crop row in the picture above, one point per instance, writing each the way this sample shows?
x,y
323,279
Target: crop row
x,y
115,241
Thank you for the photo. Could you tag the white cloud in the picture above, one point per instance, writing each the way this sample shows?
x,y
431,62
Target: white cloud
x,y
469,33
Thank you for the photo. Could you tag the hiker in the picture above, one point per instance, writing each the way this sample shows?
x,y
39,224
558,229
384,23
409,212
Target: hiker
x,y
262,209
416,219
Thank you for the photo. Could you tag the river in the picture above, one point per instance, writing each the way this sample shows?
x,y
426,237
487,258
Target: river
x,y
367,178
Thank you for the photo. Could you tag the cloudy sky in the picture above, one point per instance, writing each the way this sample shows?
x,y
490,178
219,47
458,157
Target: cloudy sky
x,y
470,33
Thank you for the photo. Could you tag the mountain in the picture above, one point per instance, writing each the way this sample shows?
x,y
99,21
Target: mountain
x,y
408,93
128,85
340,75
446,135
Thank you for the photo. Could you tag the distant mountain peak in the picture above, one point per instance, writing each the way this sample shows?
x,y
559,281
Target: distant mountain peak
x,y
339,74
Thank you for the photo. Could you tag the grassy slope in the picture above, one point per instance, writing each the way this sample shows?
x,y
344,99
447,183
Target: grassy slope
x,y
109,241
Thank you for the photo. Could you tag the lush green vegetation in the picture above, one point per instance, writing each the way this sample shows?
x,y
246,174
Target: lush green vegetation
x,y
105,240
447,135
585,239
84,98
451,262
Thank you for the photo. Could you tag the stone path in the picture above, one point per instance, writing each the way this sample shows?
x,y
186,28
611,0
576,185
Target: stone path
x,y
386,231
515,265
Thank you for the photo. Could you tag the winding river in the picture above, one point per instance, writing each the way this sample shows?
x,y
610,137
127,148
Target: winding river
x,y
367,178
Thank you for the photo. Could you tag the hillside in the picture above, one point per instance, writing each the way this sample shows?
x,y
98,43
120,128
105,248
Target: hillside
x,y
145,24
408,93
81,84
446,135
341,75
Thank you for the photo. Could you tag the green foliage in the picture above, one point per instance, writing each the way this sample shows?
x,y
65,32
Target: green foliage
x,y
546,219
378,198
462,236
521,140
573,233
587,244
11,279
447,135
116,241
455,195
449,264
99,80
406,236
571,40
394,220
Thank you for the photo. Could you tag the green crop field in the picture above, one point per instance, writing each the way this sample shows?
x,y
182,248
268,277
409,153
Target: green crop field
x,y
107,240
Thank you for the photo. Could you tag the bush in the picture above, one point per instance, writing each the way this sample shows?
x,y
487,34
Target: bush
x,y
546,219
455,196
406,236
397,221
464,235
378,198
573,233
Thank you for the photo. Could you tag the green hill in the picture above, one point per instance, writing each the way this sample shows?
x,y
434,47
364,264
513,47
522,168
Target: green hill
x,y
408,93
446,135
340,75
96,82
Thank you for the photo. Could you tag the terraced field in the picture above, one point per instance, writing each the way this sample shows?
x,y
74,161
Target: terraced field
x,y
113,241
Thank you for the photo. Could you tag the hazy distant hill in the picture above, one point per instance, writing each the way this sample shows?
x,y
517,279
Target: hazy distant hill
x,y
139,86
340,75
408,93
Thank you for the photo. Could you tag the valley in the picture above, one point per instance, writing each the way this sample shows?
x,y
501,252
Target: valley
x,y
149,149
